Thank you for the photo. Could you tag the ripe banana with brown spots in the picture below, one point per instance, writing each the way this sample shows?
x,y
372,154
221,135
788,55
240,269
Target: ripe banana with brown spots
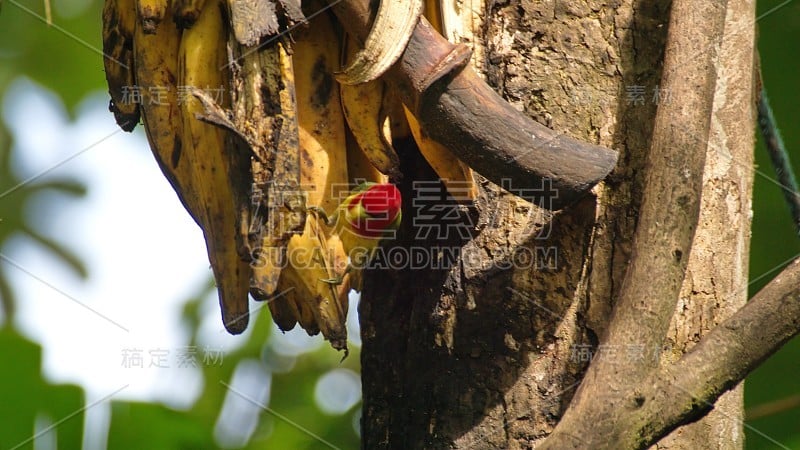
x,y
119,20
265,76
359,167
313,257
156,61
363,106
202,54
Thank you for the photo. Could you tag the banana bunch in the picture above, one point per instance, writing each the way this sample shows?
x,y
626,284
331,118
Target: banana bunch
x,y
297,121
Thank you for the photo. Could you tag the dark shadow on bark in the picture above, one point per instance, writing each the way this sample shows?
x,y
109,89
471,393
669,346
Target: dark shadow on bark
x,y
641,61
450,353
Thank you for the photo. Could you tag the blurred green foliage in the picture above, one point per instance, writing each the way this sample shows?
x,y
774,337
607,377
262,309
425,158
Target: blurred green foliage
x,y
72,67
775,240
64,58
26,396
291,401
15,194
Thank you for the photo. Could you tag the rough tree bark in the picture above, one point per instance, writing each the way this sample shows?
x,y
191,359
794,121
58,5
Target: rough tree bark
x,y
716,278
487,352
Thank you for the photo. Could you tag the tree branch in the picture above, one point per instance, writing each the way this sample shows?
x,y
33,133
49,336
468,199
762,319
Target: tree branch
x,y
687,389
663,238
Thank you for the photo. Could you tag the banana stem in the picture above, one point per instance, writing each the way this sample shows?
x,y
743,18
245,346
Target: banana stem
x,y
459,110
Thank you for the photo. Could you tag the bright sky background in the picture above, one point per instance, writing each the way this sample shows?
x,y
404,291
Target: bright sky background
x,y
144,254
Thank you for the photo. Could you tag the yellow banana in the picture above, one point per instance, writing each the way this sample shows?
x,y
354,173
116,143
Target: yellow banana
x,y
359,168
150,13
202,53
300,311
395,125
191,158
188,11
322,127
119,19
317,254
156,61
386,41
455,175
363,109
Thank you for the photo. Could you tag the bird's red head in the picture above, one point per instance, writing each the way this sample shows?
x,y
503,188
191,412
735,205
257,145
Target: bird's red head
x,y
374,209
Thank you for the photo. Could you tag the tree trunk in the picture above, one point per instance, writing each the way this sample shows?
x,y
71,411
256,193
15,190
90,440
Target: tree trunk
x,y
483,345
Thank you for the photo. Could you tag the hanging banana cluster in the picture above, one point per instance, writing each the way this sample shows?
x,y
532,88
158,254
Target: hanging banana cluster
x,y
262,121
